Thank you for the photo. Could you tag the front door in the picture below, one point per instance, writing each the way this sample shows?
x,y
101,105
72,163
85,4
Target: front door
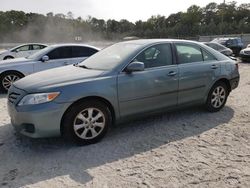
x,y
23,51
154,88
58,57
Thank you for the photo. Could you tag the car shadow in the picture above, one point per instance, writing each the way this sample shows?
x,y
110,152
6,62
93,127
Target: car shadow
x,y
26,161
2,95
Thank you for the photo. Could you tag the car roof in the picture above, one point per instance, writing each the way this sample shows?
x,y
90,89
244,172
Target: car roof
x,y
155,41
73,44
226,38
216,43
28,44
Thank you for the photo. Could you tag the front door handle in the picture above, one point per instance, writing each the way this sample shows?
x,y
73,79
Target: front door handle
x,y
172,73
66,63
214,66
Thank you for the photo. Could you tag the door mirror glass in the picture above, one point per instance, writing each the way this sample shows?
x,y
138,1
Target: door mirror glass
x,y
45,58
135,66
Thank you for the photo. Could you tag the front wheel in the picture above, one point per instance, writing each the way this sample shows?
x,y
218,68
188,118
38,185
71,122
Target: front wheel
x,y
7,79
86,122
217,97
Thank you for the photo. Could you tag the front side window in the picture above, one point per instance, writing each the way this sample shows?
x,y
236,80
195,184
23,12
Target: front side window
x,y
188,53
23,48
156,56
60,53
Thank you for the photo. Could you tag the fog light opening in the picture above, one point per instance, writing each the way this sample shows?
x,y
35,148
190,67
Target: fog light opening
x,y
30,128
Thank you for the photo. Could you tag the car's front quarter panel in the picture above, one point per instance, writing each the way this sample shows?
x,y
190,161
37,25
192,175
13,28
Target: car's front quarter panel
x,y
103,87
25,68
4,54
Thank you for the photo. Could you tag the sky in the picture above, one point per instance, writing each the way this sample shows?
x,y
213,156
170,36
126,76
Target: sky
x,y
131,10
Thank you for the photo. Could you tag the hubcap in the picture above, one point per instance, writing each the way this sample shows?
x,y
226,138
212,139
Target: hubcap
x,y
89,123
8,80
218,97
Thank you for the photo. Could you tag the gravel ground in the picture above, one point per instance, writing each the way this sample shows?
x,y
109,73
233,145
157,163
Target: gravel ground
x,y
187,148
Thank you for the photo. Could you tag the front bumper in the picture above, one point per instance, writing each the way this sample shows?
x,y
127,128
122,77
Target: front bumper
x,y
234,82
37,121
245,57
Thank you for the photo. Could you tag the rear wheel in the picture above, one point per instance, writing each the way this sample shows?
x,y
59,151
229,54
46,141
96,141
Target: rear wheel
x,y
86,122
217,97
6,80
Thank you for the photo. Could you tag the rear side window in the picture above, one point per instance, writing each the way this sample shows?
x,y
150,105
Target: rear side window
x,y
78,51
188,53
156,56
37,47
207,56
60,53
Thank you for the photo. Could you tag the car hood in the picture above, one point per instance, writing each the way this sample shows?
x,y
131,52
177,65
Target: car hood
x,y
3,51
56,77
246,49
12,62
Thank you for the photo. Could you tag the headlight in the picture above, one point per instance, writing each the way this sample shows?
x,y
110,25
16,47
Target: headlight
x,y
38,98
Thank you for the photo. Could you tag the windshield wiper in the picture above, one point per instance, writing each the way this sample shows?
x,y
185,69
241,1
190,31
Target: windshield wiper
x,y
82,66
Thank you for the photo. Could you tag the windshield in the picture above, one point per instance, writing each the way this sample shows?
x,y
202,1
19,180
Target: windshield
x,y
110,57
40,53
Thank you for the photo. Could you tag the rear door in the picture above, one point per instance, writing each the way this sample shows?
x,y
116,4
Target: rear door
x,y
36,47
80,53
58,57
197,71
154,88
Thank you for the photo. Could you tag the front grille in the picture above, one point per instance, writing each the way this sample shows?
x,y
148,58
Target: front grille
x,y
247,52
13,97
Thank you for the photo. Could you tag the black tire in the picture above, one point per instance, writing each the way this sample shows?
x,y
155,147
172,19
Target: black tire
x,y
210,103
70,118
8,57
3,89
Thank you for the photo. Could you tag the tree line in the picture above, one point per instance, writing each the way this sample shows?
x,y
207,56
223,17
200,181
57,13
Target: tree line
x,y
213,19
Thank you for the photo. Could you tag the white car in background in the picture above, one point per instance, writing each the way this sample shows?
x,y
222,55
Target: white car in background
x,y
23,50
50,57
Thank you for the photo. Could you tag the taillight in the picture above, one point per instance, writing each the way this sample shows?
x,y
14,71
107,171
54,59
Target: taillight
x,y
237,66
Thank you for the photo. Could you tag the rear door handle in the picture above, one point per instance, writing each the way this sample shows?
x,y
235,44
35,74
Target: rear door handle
x,y
172,73
214,66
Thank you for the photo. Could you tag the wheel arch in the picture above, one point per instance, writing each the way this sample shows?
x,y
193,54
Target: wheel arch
x,y
8,56
97,98
12,71
225,81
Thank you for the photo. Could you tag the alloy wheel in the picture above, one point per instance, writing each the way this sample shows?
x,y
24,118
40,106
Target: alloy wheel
x,y
218,97
8,80
89,123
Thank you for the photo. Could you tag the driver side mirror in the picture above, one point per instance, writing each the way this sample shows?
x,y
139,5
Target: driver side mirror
x,y
45,58
135,66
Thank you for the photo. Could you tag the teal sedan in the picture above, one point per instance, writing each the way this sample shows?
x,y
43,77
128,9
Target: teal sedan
x,y
80,102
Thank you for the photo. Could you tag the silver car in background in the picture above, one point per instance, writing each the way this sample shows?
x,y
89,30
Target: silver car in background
x,y
222,49
23,50
50,57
